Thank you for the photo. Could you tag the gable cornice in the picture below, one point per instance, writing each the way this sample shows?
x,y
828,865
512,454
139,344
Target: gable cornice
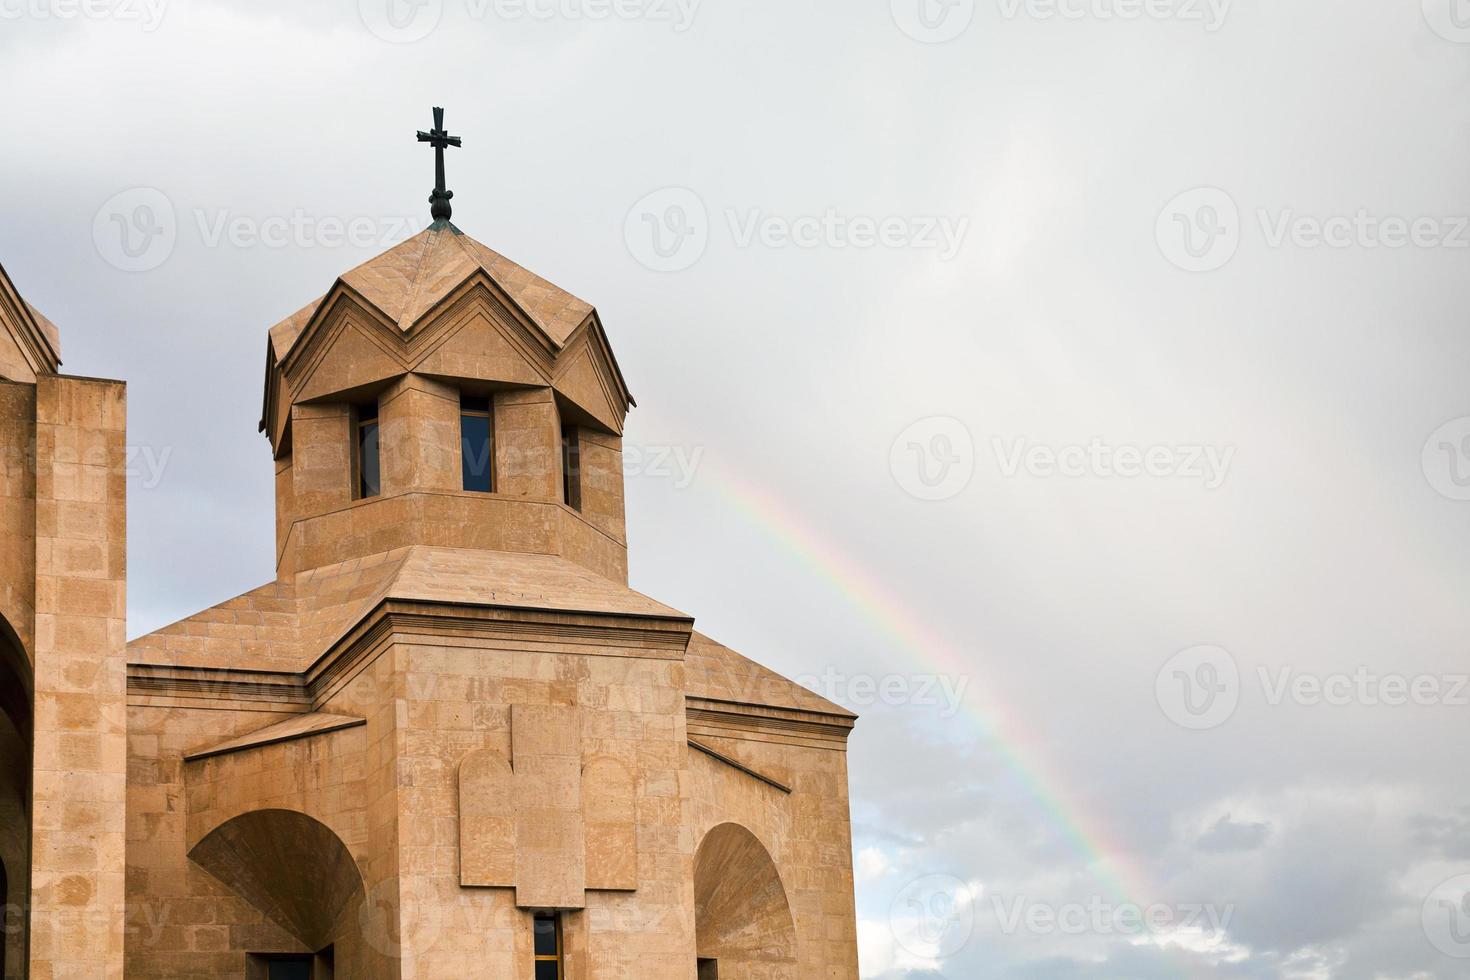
x,y
35,346
478,628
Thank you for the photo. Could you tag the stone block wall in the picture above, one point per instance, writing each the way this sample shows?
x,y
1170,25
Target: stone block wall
x,y
18,510
461,698
79,775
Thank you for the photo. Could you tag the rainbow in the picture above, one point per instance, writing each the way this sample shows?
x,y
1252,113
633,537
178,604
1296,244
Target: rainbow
x,y
885,610
1001,730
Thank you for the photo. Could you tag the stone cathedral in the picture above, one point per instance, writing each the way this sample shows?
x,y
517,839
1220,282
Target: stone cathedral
x,y
447,740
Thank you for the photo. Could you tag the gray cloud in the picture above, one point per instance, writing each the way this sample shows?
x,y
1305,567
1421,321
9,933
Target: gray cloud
x,y
1227,835
1327,548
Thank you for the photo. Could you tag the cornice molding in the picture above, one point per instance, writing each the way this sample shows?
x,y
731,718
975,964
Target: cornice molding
x,y
739,766
35,346
761,722
480,628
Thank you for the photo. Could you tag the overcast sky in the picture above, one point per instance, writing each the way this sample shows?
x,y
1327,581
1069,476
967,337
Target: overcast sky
x,y
1077,388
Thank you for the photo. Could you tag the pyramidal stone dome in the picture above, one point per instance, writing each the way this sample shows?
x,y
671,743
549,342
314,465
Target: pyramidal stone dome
x,y
409,280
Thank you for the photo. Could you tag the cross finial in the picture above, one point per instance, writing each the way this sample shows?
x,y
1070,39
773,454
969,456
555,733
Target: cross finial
x,y
439,139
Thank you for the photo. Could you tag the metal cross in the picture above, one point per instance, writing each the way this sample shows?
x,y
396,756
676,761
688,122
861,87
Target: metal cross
x,y
439,139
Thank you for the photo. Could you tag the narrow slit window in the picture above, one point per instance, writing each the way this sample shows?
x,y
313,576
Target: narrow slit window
x,y
369,465
477,443
571,468
548,947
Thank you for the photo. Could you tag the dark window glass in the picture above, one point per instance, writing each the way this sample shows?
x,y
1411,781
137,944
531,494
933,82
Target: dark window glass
x,y
545,935
548,960
477,446
292,969
369,480
571,468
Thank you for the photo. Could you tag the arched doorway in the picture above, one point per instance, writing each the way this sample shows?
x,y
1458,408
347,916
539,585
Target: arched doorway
x,y
15,802
743,924
296,872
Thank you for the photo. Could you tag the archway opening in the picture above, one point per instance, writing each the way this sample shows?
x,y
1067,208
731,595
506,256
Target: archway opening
x,y
297,873
15,802
743,924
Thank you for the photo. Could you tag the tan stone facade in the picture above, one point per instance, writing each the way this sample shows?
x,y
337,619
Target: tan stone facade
x,y
446,724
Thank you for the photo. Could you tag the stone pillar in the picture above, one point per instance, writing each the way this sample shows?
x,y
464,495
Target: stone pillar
x,y
528,444
18,509
80,761
285,505
321,453
419,436
602,483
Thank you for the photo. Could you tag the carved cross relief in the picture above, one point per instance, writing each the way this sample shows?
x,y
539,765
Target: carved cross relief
x,y
547,822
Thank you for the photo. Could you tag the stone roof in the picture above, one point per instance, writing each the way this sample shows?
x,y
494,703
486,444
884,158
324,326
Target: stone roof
x,y
287,730
52,332
409,280
715,672
287,626
25,335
